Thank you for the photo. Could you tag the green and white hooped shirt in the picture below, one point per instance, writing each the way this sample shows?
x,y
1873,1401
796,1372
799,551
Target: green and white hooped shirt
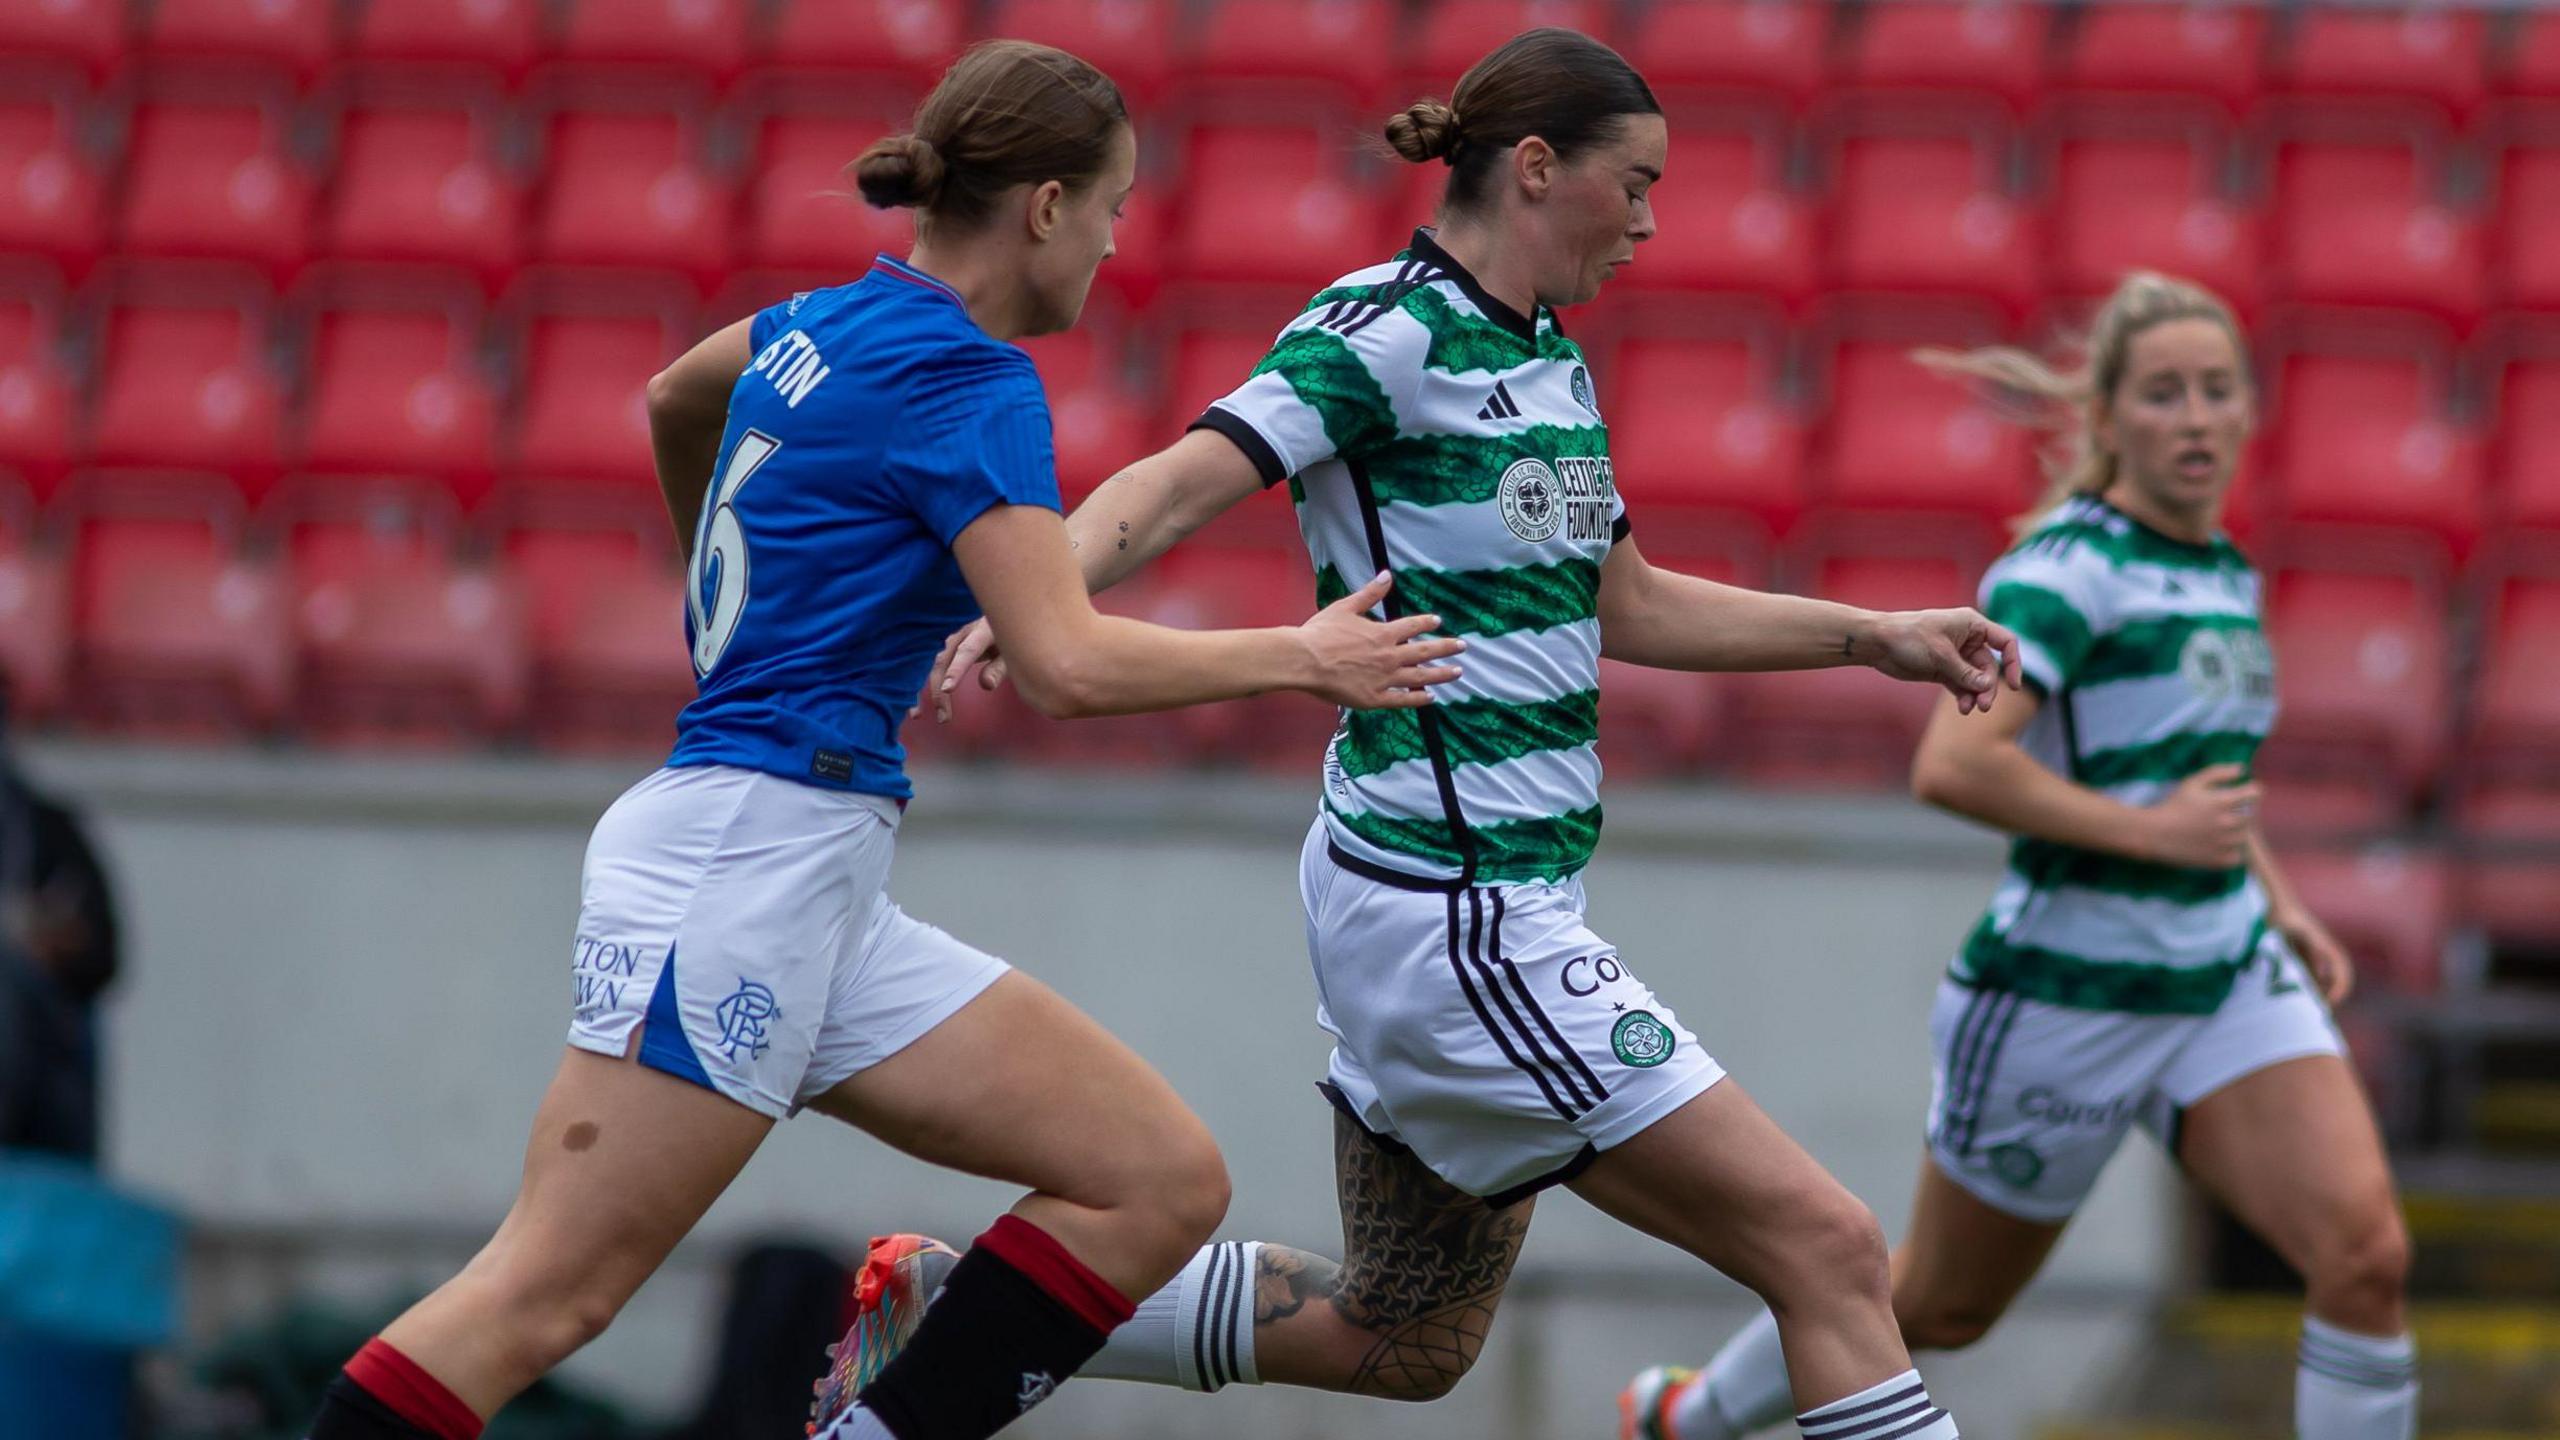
x,y
2152,664
1426,427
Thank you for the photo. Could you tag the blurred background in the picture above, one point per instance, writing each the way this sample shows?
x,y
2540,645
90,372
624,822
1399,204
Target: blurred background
x,y
336,601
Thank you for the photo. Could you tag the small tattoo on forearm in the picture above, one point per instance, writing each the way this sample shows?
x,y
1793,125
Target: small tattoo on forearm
x,y
1848,646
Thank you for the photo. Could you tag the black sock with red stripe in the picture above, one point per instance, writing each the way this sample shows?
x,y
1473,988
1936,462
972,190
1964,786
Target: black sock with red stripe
x,y
384,1395
1017,1316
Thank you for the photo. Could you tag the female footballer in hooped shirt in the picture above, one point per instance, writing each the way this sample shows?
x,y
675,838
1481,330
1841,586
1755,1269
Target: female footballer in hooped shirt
x,y
861,470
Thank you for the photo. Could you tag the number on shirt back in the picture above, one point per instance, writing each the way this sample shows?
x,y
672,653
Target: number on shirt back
x,y
716,587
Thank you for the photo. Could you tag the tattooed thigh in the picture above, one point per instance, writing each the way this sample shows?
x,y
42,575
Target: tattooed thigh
x,y
1423,1266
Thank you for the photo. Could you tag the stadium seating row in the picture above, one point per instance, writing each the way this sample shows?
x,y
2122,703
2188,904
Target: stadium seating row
x,y
363,612
2452,56
2346,211
1764,427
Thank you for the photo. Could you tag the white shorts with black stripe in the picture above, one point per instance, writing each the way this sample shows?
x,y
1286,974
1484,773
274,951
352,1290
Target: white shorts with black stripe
x,y
1486,1028
2029,1100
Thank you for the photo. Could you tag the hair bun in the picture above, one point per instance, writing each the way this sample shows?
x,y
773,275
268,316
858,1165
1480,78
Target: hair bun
x,y
1427,130
900,170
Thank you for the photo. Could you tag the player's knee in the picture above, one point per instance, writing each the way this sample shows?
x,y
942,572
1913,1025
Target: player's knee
x,y
1835,1245
1185,1191
545,1320
1943,1323
2359,1273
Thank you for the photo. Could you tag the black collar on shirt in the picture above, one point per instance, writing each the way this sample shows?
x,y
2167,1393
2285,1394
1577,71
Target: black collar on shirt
x,y
1426,246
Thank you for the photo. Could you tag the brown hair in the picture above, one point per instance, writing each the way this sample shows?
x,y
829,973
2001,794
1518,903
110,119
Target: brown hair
x,y
1560,85
1006,113
2070,402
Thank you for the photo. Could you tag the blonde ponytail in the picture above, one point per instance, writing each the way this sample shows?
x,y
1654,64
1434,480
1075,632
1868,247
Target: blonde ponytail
x,y
2069,402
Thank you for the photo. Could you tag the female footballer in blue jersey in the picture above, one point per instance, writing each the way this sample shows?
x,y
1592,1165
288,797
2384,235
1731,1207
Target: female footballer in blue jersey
x,y
859,471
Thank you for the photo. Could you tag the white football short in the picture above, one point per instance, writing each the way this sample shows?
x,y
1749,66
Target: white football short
x,y
2029,1100
739,919
1485,1028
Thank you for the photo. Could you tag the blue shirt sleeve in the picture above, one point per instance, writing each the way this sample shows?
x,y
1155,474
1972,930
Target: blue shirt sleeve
x,y
974,434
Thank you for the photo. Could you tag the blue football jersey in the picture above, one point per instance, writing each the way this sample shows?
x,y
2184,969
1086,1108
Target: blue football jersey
x,y
875,422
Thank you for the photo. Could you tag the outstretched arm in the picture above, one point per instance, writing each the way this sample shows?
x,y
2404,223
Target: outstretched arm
x,y
1073,661
1670,621
1148,507
1135,516
688,411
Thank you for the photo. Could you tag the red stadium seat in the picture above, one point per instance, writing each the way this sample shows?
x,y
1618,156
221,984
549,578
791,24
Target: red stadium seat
x,y
2528,489
2510,786
86,33
291,35
2361,677
1994,47
2528,216
1846,726
910,39
1098,425
501,36
177,632
1904,439
2365,440
630,190
2510,899
1207,365
2123,204
423,186
703,35
2359,224
394,392
215,182
2519,696
1666,722
1693,426
2201,47
1129,40
584,413
1922,213
607,610
54,207
1727,221
398,644
1719,45
188,388
1342,50
2532,57
1209,586
2391,908
2429,52
1457,33
1136,269
1273,204
802,212
38,396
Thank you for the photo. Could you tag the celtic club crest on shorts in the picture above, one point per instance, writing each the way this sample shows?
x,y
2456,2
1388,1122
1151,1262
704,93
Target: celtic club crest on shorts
x,y
1532,502
1641,1040
2017,1165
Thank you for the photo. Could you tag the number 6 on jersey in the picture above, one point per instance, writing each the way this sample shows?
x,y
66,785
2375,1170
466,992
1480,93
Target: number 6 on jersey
x,y
716,586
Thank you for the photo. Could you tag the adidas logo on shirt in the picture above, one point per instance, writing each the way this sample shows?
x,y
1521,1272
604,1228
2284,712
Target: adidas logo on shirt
x,y
1501,406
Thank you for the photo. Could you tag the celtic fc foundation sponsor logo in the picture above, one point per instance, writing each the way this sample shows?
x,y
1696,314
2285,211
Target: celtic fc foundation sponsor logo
x,y
1641,1040
1532,501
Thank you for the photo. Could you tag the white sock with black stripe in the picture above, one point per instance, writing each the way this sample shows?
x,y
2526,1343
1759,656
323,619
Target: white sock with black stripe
x,y
1898,1409
2354,1387
1196,1332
